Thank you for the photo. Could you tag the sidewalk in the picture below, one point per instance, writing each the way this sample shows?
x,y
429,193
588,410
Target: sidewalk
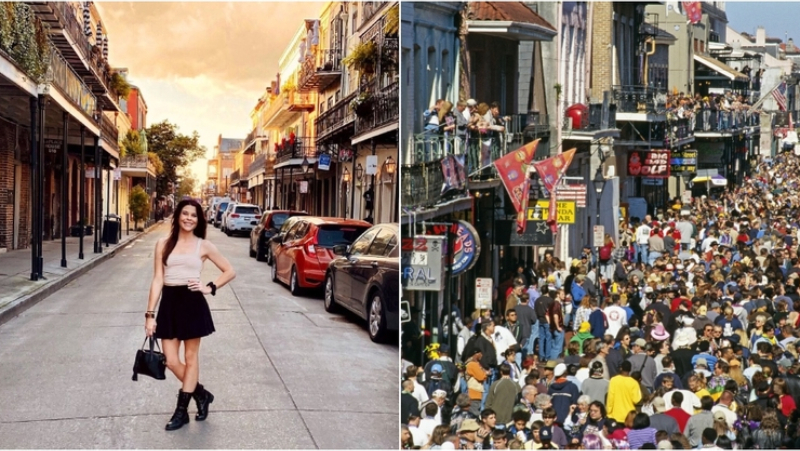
x,y
18,292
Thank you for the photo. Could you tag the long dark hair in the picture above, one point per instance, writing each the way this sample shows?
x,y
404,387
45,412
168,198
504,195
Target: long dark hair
x,y
199,230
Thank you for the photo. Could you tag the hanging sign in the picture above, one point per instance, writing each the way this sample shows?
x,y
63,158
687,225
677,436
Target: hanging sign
x,y
303,186
654,163
483,293
685,160
422,260
324,163
53,145
117,174
372,165
467,245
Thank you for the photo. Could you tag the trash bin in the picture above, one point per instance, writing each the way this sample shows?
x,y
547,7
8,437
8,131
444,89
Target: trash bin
x,y
111,229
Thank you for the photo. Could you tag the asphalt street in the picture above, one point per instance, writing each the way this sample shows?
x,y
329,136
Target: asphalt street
x,y
285,373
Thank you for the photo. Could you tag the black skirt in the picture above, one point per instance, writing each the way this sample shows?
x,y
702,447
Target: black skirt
x,y
183,314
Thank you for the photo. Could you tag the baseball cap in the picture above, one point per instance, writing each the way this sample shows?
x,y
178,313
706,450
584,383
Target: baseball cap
x,y
640,342
471,102
444,348
545,434
560,370
718,415
659,405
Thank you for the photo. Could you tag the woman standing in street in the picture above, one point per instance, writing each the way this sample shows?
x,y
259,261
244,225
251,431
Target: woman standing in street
x,y
183,313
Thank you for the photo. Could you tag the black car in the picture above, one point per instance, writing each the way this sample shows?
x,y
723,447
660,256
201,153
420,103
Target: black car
x,y
269,225
365,279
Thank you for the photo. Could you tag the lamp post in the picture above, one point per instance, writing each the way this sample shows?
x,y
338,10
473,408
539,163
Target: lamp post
x,y
599,185
359,171
346,180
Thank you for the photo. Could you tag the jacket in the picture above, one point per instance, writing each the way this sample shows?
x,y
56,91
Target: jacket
x,y
596,389
501,398
599,324
646,366
489,359
564,394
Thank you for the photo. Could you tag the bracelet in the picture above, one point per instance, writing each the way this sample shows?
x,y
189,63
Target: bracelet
x,y
149,315
213,288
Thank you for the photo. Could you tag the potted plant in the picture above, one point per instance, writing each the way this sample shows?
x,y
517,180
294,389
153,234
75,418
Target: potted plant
x,y
362,104
362,57
120,86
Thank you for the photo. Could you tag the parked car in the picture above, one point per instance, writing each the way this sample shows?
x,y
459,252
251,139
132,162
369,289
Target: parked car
x,y
364,278
301,254
224,215
269,226
242,218
219,209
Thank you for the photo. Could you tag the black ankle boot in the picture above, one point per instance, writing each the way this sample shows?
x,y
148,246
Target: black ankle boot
x,y
202,398
181,415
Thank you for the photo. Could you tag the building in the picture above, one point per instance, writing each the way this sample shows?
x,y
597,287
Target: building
x,y
223,163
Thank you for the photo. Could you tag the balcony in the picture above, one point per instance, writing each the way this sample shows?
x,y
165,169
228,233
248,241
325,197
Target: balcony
x,y
137,166
384,110
639,100
71,84
303,147
258,166
336,119
679,132
234,178
66,32
320,70
286,108
708,121
421,184
109,131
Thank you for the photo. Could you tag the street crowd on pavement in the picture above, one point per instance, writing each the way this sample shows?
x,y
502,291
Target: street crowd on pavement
x,y
679,333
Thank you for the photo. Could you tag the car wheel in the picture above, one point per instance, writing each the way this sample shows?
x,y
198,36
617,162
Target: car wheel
x,y
294,284
329,301
274,272
376,320
260,253
228,231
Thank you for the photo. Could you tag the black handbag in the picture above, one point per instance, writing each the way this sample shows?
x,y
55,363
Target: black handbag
x,y
150,362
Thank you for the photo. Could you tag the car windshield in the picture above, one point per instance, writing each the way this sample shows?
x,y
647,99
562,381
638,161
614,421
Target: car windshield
x,y
247,210
278,219
331,235
223,206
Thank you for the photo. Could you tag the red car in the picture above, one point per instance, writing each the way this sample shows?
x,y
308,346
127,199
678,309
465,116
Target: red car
x,y
301,254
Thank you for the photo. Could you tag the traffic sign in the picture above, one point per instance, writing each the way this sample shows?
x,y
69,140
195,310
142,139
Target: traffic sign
x,y
565,209
483,293
599,235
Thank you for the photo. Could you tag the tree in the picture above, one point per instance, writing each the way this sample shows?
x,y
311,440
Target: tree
x,y
174,149
132,144
186,187
139,204
464,70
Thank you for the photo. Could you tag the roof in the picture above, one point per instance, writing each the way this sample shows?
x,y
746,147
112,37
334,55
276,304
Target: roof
x,y
659,33
229,144
318,220
506,11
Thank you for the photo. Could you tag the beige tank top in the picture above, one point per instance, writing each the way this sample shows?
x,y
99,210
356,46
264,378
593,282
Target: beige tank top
x,y
183,267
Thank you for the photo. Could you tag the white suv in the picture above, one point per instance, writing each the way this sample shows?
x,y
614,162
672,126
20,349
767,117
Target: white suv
x,y
240,218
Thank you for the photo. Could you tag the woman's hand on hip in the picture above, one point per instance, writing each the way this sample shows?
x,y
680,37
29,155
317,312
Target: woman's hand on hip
x,y
195,285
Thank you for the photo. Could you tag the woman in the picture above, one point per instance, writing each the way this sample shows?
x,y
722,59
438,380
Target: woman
x,y
577,417
582,313
595,419
785,401
641,432
770,434
183,313
697,384
406,440
438,437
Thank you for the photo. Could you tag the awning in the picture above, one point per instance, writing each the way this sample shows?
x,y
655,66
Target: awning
x,y
294,162
716,180
720,67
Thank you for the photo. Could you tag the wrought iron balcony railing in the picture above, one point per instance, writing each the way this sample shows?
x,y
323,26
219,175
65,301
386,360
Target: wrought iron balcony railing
x,y
259,162
65,78
639,99
137,162
706,120
384,109
109,131
421,184
320,70
336,118
300,148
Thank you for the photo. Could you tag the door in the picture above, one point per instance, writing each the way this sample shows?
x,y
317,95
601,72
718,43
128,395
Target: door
x,y
293,248
359,262
280,252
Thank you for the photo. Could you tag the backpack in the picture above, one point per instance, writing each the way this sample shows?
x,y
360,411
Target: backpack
x,y
577,292
433,385
605,253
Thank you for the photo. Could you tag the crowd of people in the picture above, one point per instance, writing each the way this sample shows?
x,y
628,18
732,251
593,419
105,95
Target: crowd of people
x,y
678,333
709,112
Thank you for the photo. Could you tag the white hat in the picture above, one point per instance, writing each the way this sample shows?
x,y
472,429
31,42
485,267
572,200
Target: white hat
x,y
559,370
471,102
685,336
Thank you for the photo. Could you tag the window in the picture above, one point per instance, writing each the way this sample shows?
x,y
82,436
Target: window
x,y
331,235
380,246
362,244
248,210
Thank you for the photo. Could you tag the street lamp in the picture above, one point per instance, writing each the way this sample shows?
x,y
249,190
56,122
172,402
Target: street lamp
x,y
599,184
359,171
390,165
304,165
346,176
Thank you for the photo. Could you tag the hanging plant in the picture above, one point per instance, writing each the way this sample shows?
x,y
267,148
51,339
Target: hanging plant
x,y
24,38
289,86
391,24
120,85
362,57
557,87
362,104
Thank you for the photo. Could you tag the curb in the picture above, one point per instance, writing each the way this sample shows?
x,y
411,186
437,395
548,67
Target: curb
x,y
17,307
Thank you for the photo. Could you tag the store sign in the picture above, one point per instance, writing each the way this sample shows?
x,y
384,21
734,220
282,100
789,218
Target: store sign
x,y
324,163
303,186
422,260
572,192
53,145
372,165
466,247
483,293
537,233
565,209
654,163
683,161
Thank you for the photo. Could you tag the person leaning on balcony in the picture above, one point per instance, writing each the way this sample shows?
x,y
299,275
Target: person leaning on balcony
x,y
462,119
431,117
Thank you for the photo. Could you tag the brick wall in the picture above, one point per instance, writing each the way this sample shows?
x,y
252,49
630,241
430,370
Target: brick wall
x,y
7,181
602,33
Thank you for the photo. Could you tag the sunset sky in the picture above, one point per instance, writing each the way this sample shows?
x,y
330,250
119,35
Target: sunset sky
x,y
202,65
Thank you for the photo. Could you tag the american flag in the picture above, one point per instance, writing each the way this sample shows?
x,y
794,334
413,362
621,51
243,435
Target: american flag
x,y
779,94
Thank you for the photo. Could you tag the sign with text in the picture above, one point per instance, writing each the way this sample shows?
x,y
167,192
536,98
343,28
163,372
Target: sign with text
x,y
654,163
685,160
565,209
466,244
537,233
53,145
324,163
599,235
372,165
422,260
483,293
572,192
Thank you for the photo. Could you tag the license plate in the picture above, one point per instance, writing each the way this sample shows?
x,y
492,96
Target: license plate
x,y
253,222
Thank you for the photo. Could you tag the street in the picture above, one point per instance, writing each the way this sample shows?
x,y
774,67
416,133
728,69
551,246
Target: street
x,y
285,373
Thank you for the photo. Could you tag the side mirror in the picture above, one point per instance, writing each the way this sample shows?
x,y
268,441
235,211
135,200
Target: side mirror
x,y
341,249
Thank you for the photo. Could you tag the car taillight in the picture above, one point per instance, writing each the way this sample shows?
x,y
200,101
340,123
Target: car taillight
x,y
234,215
311,247
258,216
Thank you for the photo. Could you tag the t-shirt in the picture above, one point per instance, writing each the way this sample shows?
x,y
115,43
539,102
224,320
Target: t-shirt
x,y
542,306
623,394
617,318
